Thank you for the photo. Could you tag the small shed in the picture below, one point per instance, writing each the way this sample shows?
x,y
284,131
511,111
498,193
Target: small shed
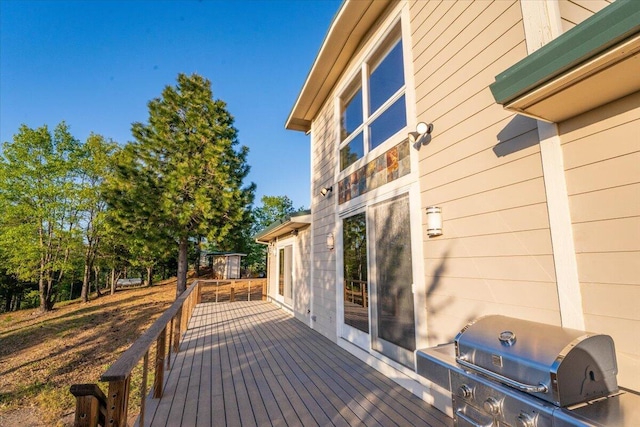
x,y
225,265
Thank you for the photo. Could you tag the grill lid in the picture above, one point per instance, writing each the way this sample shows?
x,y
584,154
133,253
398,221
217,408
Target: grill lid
x,y
560,365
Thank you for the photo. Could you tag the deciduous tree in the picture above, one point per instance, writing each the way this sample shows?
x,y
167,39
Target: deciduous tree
x,y
38,188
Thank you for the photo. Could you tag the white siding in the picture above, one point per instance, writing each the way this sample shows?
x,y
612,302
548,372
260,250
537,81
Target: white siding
x,y
483,167
602,163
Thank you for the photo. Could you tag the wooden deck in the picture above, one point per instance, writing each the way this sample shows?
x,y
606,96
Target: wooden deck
x,y
252,364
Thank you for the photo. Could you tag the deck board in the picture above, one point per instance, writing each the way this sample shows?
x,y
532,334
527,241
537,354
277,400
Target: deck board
x,y
252,364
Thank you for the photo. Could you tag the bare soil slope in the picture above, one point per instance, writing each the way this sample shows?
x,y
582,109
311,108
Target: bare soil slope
x,y
41,355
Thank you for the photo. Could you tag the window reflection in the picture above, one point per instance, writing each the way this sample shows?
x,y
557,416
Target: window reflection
x,y
352,151
356,291
351,115
388,123
386,78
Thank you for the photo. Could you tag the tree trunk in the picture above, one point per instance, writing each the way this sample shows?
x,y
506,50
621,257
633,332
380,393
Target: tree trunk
x,y
84,294
42,289
149,276
113,281
181,285
198,256
96,272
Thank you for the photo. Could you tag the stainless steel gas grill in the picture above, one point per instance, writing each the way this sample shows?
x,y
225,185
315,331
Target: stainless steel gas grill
x,y
504,371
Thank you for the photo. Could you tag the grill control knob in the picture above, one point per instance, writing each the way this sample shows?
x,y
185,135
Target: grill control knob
x,y
492,406
465,392
525,420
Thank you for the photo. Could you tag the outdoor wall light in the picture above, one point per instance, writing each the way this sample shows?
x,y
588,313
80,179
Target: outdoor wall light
x,y
422,135
326,190
294,232
434,221
330,241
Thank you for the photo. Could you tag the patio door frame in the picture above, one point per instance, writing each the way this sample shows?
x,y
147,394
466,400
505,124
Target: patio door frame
x,y
366,340
289,271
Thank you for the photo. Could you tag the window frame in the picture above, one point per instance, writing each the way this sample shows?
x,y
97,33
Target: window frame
x,y
359,80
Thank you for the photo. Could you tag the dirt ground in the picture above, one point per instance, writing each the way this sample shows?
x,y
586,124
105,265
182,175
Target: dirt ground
x,y
42,355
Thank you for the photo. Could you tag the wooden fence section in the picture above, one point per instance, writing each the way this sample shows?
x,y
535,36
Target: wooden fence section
x,y
93,408
219,290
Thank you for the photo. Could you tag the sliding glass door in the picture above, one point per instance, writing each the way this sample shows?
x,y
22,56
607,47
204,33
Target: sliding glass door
x,y
393,330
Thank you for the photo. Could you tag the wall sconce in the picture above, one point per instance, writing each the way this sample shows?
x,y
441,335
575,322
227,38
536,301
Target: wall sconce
x,y
326,190
434,221
272,248
330,241
294,232
422,135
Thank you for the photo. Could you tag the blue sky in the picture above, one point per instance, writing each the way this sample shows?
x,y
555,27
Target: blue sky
x,y
96,64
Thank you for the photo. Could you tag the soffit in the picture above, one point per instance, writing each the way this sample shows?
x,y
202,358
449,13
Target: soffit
x,y
349,27
590,65
282,228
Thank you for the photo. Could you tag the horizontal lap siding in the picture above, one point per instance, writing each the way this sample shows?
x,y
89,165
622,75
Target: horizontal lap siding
x,y
323,165
302,295
482,167
574,12
601,152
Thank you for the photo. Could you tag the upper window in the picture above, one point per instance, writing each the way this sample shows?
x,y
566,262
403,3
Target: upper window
x,y
373,107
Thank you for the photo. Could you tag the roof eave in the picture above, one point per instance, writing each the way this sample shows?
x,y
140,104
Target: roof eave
x,y
349,26
597,58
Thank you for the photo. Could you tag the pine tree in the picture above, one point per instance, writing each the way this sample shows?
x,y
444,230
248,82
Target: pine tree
x,y
183,177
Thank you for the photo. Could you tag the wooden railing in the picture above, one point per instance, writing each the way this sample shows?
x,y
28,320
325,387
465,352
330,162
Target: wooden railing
x,y
93,408
356,291
223,290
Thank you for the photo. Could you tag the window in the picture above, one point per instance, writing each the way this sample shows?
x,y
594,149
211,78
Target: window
x,y
373,107
356,289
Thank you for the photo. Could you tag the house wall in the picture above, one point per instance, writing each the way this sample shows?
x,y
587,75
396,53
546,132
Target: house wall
x,y
483,168
302,275
574,12
323,163
601,152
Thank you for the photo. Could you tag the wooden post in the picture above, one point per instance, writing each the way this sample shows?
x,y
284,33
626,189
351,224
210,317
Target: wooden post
x,y
232,295
170,344
143,388
158,381
176,331
90,405
117,403
249,292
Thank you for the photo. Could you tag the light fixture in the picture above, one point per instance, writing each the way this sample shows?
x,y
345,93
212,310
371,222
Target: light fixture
x,y
294,232
326,190
422,135
434,221
330,241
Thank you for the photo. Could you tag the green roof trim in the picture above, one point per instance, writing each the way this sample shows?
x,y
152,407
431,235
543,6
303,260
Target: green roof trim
x,y
613,24
280,222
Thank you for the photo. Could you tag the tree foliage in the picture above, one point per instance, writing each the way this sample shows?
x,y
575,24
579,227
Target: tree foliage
x,y
39,193
182,177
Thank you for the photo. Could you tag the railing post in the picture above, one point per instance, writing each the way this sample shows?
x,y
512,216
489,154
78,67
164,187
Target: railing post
x,y
170,343
232,295
90,405
117,403
176,331
158,381
143,388
249,292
